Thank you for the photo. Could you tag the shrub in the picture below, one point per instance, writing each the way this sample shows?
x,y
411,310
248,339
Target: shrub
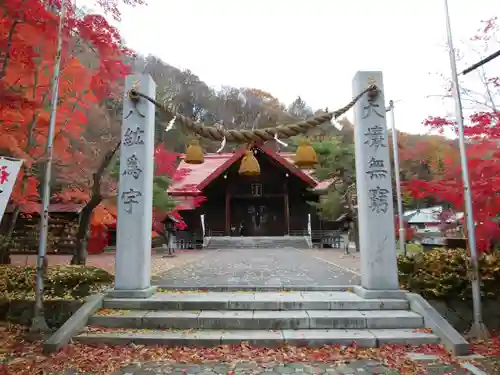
x,y
60,282
443,274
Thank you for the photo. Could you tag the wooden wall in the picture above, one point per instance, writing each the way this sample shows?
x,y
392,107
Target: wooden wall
x,y
61,235
237,194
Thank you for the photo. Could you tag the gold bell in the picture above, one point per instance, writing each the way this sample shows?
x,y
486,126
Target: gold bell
x,y
249,165
194,153
306,157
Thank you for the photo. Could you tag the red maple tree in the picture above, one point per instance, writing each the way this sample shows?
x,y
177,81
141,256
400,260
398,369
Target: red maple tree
x,y
92,70
482,130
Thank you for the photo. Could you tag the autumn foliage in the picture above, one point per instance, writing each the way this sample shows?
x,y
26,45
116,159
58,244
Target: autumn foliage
x,y
91,68
484,169
482,131
87,126
92,72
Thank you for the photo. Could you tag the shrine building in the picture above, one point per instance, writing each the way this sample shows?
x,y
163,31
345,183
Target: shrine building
x,y
272,202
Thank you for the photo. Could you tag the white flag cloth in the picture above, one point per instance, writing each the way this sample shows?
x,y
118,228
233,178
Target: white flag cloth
x,y
9,169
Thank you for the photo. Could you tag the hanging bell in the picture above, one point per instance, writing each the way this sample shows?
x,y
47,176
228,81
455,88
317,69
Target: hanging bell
x,y
306,157
194,153
249,165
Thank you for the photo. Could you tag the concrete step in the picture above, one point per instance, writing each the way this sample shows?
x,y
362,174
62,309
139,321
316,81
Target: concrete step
x,y
258,320
257,242
254,246
313,338
256,301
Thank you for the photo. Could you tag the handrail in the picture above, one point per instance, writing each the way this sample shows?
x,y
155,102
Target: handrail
x,y
292,232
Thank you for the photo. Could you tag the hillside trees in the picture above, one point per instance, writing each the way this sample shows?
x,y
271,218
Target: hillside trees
x,y
299,108
230,107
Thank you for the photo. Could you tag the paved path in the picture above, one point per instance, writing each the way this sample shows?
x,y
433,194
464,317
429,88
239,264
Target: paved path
x,y
355,367
351,261
257,267
488,366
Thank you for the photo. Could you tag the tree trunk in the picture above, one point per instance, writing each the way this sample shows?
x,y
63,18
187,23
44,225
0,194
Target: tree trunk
x,y
5,245
82,235
80,254
8,49
4,254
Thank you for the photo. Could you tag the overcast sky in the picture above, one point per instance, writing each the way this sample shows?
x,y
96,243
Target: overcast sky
x,y
312,48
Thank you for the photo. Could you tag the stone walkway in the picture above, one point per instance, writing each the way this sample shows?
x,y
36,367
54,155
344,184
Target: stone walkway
x,y
351,261
486,366
356,367
257,268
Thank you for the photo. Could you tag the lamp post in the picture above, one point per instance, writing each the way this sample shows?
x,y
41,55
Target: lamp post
x,y
402,232
478,329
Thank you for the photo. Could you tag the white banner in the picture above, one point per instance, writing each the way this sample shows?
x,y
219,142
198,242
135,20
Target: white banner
x,y
9,169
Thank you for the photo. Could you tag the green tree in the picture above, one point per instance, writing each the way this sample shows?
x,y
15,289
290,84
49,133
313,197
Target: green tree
x,y
163,204
336,162
162,201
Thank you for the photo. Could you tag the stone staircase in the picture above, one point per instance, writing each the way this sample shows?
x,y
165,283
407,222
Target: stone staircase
x,y
267,319
298,242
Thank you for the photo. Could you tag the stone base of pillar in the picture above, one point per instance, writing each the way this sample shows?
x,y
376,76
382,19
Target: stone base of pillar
x,y
379,294
138,293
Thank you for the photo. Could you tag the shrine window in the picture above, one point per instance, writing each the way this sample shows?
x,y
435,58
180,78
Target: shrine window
x,y
256,190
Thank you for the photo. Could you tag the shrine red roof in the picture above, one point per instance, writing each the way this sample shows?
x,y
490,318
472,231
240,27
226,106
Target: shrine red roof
x,y
200,175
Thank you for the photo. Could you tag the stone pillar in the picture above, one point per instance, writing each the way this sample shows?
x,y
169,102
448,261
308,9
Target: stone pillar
x,y
135,193
379,276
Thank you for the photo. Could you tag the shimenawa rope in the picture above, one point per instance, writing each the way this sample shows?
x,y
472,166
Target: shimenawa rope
x,y
266,134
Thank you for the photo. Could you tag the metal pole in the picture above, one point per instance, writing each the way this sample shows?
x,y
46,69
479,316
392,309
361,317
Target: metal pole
x,y
39,324
402,231
481,63
478,329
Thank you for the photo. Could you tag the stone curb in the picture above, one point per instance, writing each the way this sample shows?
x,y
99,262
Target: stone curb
x,y
450,338
264,288
73,325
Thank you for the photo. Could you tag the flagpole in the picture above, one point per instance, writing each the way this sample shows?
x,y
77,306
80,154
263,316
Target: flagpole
x,y
39,324
478,329
402,232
